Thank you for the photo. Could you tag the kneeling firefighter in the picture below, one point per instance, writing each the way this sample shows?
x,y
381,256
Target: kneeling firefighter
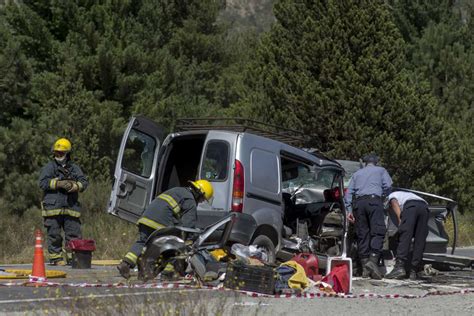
x,y
174,207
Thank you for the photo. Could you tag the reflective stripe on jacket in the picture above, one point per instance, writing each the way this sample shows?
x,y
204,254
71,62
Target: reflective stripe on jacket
x,y
59,201
173,207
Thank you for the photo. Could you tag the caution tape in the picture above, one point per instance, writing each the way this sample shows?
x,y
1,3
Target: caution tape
x,y
38,282
354,296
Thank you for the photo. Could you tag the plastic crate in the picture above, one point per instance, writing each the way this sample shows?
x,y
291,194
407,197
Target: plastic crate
x,y
260,279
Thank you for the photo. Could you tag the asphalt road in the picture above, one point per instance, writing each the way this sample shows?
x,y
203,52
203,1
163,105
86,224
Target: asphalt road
x,y
68,297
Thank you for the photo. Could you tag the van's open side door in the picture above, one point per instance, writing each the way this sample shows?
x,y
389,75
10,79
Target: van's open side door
x,y
135,170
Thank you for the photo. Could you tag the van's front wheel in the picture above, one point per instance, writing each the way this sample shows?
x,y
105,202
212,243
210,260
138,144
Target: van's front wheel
x,y
265,244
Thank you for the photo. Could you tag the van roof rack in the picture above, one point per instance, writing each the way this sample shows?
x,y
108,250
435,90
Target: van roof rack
x,y
238,124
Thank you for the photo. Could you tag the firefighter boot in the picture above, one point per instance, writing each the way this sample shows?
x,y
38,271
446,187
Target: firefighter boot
x,y
124,269
168,273
365,271
398,271
373,267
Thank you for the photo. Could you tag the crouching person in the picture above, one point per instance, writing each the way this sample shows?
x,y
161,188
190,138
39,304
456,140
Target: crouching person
x,y
412,213
174,207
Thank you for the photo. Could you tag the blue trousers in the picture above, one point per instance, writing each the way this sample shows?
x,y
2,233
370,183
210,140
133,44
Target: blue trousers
x,y
414,224
370,226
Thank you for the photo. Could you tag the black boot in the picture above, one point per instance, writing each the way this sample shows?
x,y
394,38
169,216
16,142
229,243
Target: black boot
x,y
415,275
124,269
373,267
398,271
365,271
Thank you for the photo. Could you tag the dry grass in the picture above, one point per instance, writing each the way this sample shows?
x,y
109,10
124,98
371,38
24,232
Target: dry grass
x,y
465,229
113,236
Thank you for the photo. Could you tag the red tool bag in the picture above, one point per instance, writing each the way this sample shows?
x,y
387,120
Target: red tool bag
x,y
81,245
309,262
338,278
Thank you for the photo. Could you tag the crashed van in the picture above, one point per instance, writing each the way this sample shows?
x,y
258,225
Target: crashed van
x,y
286,199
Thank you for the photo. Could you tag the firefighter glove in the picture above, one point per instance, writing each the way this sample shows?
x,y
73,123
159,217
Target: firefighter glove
x,y
64,184
74,187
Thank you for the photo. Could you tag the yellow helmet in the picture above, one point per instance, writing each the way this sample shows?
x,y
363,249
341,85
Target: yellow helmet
x,y
205,187
63,145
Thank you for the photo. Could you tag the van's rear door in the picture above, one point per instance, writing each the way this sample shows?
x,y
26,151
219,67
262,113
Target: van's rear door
x,y
136,165
217,165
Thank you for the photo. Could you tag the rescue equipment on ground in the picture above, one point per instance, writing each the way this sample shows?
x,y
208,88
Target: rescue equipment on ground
x,y
339,279
81,252
298,280
310,264
338,261
243,277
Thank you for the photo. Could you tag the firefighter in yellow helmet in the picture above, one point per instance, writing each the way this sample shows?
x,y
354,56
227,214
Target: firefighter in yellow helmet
x,y
61,181
176,206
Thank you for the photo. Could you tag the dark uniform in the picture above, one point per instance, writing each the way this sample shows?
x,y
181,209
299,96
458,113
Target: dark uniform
x,y
413,224
364,199
61,209
174,207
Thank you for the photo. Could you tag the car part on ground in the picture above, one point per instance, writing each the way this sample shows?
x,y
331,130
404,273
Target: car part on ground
x,y
164,247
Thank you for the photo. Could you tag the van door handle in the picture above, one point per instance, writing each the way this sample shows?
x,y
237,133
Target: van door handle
x,y
125,188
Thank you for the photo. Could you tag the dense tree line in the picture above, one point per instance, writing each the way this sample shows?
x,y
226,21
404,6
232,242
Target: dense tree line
x,y
395,77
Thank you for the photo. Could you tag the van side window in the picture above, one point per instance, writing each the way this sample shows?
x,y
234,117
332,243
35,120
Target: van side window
x,y
307,183
215,164
295,174
138,154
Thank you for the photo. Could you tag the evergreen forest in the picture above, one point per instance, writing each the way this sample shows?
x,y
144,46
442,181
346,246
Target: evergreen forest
x,y
395,77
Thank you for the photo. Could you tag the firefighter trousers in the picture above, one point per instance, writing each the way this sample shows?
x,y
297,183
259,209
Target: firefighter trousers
x,y
54,225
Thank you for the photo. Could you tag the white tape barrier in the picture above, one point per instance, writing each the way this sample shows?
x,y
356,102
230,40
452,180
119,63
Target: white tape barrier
x,y
38,283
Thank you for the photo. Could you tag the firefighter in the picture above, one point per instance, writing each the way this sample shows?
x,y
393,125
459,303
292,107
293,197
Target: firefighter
x,y
61,181
176,206
412,213
364,205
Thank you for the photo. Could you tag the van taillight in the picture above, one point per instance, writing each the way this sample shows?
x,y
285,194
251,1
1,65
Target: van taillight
x,y
238,188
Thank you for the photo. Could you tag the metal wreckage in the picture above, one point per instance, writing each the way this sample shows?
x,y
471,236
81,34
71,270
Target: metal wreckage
x,y
274,199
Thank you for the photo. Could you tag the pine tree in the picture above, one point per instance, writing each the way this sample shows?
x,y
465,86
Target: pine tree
x,y
440,40
335,70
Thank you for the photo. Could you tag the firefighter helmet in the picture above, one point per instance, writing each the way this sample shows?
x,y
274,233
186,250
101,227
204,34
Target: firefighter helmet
x,y
204,187
63,145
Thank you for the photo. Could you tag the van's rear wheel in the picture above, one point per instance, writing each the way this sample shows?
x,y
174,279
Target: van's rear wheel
x,y
266,245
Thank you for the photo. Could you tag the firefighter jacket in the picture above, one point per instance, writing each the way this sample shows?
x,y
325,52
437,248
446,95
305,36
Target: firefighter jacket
x,y
59,201
173,207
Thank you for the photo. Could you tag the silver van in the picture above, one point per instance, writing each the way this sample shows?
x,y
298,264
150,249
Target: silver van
x,y
273,186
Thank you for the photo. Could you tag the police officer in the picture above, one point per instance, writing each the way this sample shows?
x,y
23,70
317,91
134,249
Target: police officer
x,y
365,207
412,213
61,181
173,207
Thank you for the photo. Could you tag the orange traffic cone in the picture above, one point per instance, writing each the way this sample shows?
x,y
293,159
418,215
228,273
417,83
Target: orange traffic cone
x,y
38,272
